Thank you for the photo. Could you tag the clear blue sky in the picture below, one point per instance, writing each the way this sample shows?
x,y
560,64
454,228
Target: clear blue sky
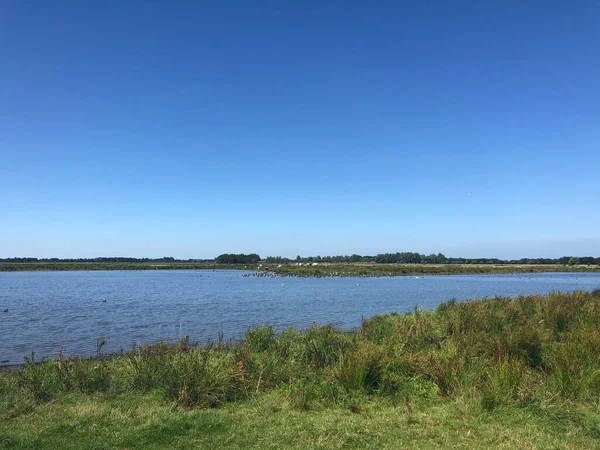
x,y
191,129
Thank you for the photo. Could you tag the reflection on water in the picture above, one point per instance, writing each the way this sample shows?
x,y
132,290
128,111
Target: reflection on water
x,y
73,310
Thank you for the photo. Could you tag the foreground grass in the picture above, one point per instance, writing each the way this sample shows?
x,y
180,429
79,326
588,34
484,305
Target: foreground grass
x,y
269,421
512,373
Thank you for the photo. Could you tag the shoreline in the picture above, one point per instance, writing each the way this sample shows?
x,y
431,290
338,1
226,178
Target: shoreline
x,y
527,365
314,270
232,342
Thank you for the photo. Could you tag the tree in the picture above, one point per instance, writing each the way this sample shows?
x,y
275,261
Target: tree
x,y
241,258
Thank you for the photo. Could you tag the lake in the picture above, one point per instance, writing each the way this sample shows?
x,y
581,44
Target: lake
x,y
47,310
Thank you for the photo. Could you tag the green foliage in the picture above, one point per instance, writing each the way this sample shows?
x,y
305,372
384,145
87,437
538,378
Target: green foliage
x,y
401,269
324,345
360,370
40,381
327,266
303,393
573,365
85,376
504,352
503,383
144,368
241,258
204,379
522,372
261,339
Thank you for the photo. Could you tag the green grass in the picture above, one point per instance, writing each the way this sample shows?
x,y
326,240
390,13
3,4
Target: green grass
x,y
269,420
507,373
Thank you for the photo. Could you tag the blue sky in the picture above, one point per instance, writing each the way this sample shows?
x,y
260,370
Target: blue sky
x,y
191,129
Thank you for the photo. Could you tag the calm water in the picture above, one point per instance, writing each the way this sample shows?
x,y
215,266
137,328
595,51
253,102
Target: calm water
x,y
47,310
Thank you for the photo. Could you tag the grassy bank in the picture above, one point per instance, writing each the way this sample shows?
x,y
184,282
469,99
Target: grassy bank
x,y
307,270
518,373
386,270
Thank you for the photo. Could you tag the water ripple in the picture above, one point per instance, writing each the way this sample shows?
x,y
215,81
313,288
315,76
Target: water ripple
x,y
48,310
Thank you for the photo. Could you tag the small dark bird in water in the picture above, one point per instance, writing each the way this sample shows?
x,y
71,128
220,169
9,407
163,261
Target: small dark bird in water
x,y
104,301
6,310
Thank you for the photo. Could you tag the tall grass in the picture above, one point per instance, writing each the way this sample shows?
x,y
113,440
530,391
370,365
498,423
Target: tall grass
x,y
503,351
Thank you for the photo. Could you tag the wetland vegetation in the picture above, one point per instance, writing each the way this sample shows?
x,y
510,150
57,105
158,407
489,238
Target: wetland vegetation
x,y
417,269
522,372
314,269
385,264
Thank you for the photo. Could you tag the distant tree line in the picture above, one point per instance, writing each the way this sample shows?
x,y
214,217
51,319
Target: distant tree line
x,y
105,259
329,259
382,258
335,259
417,258
410,258
227,258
